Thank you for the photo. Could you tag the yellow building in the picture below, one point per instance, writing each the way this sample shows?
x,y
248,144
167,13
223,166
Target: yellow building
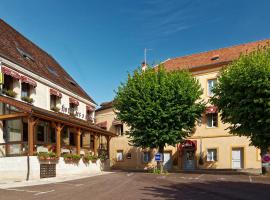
x,y
210,146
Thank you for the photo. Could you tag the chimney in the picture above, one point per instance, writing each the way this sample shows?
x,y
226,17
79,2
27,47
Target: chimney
x,y
144,66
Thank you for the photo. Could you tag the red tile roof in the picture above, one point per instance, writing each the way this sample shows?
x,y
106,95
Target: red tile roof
x,y
214,57
13,45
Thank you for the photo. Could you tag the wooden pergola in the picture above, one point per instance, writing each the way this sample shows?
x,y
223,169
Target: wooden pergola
x,y
57,121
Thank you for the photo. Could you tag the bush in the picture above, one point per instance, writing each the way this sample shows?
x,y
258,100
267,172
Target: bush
x,y
89,157
55,109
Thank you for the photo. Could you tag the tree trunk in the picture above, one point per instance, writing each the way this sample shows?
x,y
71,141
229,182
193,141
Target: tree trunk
x,y
265,167
160,163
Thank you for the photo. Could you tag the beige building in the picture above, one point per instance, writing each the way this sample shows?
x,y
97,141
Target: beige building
x,y
210,146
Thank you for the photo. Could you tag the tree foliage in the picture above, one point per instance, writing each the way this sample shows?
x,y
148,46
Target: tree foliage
x,y
242,94
160,107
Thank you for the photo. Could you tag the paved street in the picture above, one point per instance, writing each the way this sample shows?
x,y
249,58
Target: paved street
x,y
123,185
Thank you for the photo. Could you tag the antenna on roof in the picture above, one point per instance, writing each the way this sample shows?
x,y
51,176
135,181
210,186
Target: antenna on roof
x,y
145,55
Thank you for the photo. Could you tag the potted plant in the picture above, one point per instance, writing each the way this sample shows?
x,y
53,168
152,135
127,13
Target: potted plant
x,y
71,157
55,109
9,93
27,99
47,156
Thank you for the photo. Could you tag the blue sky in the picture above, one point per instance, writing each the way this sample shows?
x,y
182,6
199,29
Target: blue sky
x,y
98,42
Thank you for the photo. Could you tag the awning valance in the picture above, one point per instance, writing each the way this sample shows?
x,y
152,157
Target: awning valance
x,y
30,81
211,109
55,92
10,72
117,122
74,101
90,108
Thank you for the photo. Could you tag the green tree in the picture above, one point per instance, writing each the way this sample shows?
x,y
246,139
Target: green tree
x,y
160,107
242,95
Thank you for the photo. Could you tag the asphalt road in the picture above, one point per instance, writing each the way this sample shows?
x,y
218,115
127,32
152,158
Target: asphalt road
x,y
123,185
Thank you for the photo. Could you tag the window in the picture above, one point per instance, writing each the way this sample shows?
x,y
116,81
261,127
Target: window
x,y
146,157
25,90
211,85
8,82
119,129
52,70
52,135
53,101
40,133
73,108
211,154
119,155
212,120
128,155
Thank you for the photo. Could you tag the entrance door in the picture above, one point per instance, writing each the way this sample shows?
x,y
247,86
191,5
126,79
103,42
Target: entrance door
x,y
167,160
237,158
189,159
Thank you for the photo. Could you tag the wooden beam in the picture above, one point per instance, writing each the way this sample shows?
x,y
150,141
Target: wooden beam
x,y
58,129
12,116
78,141
108,138
31,124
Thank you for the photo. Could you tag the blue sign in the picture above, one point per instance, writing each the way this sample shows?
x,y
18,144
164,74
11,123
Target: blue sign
x,y
158,157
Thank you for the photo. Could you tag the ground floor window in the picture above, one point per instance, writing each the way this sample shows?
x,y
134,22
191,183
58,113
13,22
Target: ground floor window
x,y
119,155
211,154
146,157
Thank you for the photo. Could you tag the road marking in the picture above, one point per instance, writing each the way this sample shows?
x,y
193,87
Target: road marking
x,y
130,174
30,191
198,177
44,192
250,179
76,185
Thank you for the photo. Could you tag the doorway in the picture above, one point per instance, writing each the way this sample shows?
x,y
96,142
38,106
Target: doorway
x,y
167,156
237,158
189,159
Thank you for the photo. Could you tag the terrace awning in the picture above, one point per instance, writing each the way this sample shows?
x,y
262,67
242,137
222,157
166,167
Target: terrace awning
x,y
55,92
30,81
10,72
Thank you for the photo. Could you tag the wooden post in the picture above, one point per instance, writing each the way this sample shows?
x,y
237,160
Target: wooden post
x,y
58,129
31,124
95,144
78,141
108,138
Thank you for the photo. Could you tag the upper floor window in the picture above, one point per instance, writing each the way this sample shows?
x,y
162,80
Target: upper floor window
x,y
55,100
211,84
73,106
212,120
8,82
25,90
119,129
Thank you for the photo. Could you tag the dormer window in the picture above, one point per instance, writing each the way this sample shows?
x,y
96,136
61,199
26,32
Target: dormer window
x,y
25,54
215,57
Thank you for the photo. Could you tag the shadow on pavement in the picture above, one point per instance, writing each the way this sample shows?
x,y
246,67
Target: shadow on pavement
x,y
208,191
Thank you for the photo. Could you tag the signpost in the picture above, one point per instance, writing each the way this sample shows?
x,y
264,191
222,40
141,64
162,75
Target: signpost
x,y
158,157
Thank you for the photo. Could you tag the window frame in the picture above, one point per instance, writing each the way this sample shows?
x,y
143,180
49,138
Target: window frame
x,y
209,91
212,120
27,91
148,157
120,151
214,157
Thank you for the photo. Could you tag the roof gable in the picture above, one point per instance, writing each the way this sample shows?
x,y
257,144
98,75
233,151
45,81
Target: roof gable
x,y
18,49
